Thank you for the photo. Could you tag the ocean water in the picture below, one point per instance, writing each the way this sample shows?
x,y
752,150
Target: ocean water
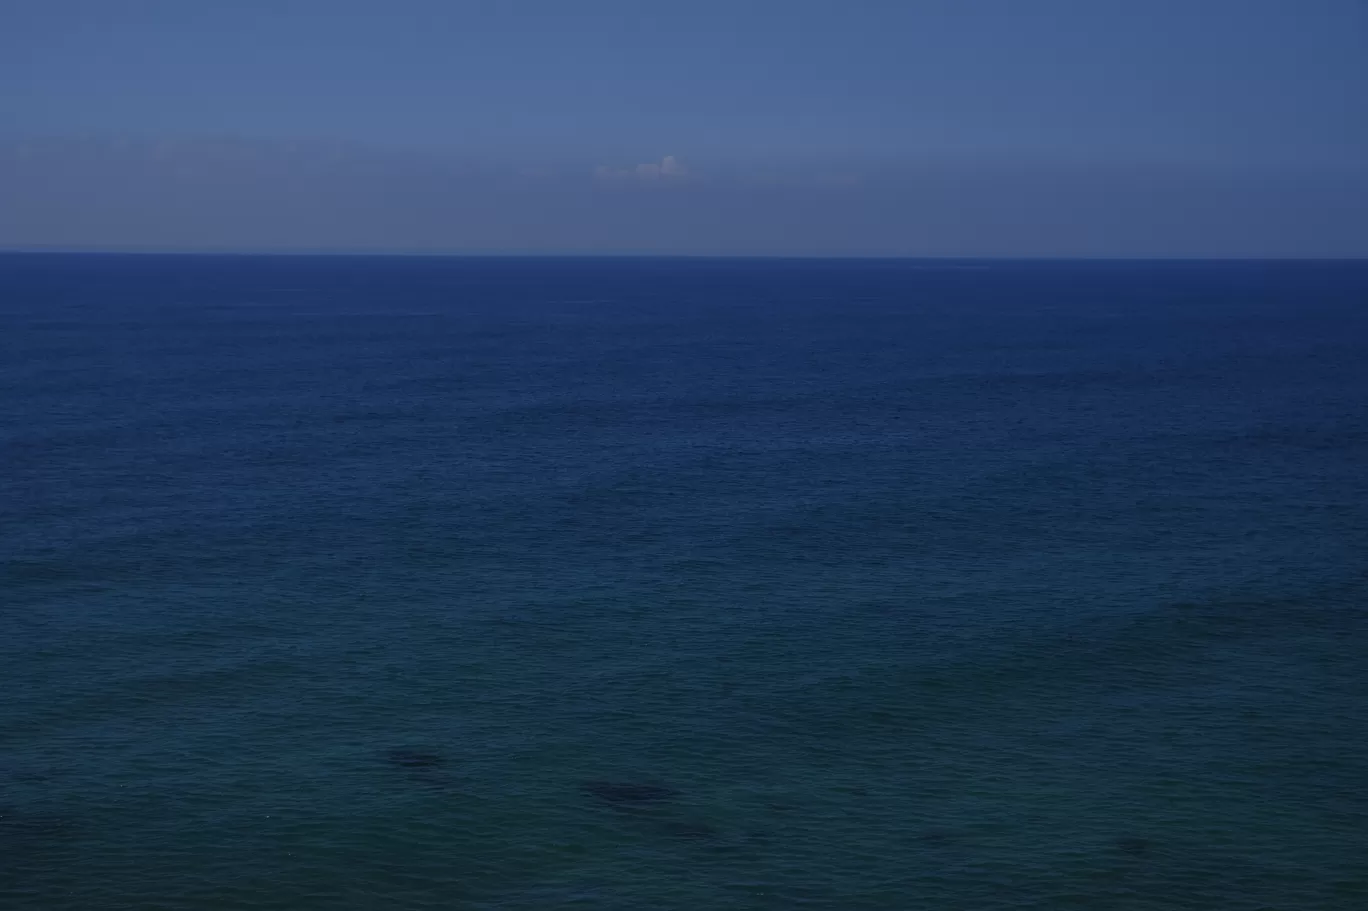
x,y
349,583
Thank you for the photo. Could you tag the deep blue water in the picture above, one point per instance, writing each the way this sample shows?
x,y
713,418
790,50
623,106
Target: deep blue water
x,y
393,584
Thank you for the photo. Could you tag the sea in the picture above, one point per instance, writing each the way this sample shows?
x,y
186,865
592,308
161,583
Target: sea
x,y
335,583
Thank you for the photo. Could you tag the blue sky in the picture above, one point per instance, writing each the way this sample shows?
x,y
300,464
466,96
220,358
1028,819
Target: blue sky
x,y
939,127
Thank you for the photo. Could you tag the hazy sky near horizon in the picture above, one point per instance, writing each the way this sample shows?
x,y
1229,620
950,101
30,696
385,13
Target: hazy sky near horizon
x,y
925,127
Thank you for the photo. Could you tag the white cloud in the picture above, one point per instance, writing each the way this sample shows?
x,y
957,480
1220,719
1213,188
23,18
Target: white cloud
x,y
668,168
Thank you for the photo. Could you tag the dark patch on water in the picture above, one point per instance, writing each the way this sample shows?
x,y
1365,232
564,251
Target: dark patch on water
x,y
31,777
434,779
626,793
941,836
690,829
24,829
26,774
423,767
415,759
1134,846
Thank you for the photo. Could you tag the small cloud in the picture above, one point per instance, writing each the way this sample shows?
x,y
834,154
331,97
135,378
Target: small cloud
x,y
668,168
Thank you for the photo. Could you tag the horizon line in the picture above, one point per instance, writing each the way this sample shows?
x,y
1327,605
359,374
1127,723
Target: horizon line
x,y
40,250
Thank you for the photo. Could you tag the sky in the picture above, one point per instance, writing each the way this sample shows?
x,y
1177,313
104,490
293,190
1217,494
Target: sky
x,y
859,128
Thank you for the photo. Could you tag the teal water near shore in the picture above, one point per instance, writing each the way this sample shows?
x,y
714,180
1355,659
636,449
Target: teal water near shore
x,y
335,583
